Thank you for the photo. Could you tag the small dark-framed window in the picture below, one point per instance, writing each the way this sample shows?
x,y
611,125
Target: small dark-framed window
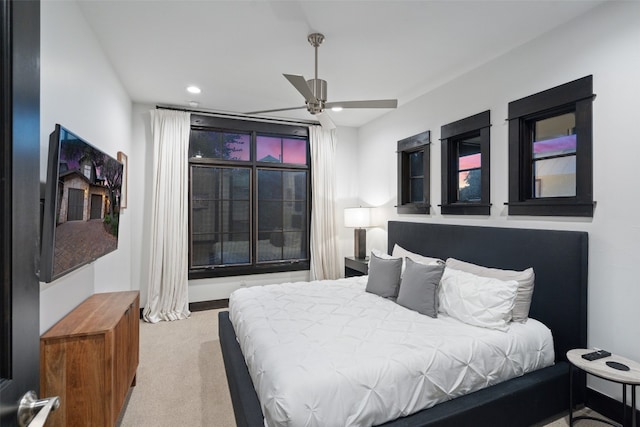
x,y
414,174
466,166
550,152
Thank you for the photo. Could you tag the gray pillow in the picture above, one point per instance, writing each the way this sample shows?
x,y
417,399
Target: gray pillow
x,y
525,279
419,287
384,276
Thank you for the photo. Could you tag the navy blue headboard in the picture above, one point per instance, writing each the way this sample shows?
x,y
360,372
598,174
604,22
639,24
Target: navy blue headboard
x,y
559,259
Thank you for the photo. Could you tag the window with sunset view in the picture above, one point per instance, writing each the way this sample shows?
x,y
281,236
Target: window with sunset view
x,y
249,197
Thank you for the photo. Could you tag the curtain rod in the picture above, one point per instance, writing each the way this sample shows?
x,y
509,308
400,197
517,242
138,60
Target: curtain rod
x,y
238,115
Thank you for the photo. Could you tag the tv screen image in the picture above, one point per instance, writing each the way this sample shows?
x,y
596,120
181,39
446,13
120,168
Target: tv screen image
x,y
82,205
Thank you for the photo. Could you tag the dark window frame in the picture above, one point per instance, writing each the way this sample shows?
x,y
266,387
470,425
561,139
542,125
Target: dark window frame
x,y
213,123
450,136
575,96
406,147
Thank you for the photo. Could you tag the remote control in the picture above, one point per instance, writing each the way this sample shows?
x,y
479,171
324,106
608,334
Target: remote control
x,y
596,355
617,365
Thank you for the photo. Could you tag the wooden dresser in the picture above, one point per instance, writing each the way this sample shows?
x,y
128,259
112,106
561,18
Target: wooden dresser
x,y
90,358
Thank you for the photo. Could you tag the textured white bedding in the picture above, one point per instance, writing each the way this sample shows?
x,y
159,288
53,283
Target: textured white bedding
x,y
327,353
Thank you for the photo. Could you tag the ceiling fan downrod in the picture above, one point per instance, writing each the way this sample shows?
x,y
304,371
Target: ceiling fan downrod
x,y
317,86
316,40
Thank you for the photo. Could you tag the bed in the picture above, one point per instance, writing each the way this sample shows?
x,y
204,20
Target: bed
x,y
559,301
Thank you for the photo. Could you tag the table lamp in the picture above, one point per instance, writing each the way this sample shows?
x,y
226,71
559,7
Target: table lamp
x,y
358,218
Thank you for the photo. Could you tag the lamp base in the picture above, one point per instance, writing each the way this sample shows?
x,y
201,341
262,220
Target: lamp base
x,y
360,243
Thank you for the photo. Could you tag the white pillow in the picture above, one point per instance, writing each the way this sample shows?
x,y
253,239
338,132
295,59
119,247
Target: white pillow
x,y
476,300
382,255
400,252
525,279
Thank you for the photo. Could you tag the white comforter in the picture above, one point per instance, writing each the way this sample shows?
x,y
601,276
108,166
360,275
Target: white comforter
x,y
327,353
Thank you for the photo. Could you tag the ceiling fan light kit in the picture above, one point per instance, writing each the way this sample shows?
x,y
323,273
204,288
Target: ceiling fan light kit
x,y
314,92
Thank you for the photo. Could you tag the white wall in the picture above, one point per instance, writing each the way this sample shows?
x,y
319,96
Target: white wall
x,y
347,171
140,181
80,91
604,43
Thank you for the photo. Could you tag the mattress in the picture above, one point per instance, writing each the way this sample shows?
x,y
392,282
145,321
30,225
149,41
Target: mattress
x,y
327,353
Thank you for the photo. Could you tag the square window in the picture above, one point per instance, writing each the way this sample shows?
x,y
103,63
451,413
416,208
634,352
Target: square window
x,y
413,174
550,151
465,166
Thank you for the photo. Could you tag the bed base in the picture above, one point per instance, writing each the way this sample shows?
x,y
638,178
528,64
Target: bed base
x,y
520,402
560,301
246,406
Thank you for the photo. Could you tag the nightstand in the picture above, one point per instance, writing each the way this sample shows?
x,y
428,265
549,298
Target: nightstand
x,y
601,369
356,266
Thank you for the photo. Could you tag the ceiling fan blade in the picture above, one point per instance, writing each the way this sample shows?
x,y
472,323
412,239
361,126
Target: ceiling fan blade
x,y
301,85
326,121
374,103
276,109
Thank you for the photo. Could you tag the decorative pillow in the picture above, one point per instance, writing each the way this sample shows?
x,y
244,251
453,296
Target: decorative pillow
x,y
525,279
382,255
384,276
419,287
476,300
400,252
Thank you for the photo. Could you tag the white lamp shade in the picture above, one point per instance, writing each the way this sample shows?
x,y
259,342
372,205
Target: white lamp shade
x,y
357,217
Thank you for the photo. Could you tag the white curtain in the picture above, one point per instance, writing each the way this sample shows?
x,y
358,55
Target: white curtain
x,y
325,262
167,290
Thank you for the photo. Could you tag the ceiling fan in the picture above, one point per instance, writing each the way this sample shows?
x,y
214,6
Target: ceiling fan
x,y
314,92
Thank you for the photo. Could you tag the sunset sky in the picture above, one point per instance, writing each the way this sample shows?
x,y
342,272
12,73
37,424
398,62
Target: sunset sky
x,y
287,150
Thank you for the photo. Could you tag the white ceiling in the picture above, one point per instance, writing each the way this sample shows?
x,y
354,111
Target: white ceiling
x,y
236,51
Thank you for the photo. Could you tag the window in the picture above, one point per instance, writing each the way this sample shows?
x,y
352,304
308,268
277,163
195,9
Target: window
x,y
468,186
550,152
466,166
413,174
87,171
553,156
249,205
416,177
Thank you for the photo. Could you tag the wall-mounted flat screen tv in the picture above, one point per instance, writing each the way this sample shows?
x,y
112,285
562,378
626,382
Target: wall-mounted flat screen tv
x,y
81,206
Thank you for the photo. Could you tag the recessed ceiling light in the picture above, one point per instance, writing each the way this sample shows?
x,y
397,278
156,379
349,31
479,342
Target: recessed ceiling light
x,y
337,108
193,89
193,104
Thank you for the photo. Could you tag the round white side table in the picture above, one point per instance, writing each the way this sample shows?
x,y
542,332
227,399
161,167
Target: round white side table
x,y
600,369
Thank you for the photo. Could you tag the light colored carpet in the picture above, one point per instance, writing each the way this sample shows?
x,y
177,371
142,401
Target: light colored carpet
x,y
564,421
181,379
